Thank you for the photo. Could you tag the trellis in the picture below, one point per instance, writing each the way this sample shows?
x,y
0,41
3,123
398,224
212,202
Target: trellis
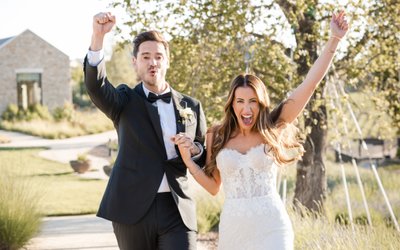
x,y
336,89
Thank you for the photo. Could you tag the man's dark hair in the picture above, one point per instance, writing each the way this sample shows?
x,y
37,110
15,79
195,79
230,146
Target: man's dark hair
x,y
151,35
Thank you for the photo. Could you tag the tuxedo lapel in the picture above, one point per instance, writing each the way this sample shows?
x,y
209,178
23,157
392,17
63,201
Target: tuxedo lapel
x,y
179,103
152,111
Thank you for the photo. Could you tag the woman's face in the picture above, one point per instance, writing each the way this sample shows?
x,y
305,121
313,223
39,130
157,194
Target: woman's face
x,y
246,107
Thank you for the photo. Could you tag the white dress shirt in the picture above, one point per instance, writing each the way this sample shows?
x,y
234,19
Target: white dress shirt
x,y
168,126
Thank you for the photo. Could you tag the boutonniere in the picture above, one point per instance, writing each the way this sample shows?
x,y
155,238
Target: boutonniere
x,y
186,114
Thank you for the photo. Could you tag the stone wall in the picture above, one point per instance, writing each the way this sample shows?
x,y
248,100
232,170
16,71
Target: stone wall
x,y
29,53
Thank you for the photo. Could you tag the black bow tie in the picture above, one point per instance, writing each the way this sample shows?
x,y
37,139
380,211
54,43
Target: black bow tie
x,y
165,97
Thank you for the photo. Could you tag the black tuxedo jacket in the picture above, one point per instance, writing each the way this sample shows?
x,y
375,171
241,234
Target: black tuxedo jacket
x,y
142,160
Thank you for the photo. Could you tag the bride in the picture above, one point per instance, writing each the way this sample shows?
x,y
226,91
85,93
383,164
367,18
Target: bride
x,y
245,151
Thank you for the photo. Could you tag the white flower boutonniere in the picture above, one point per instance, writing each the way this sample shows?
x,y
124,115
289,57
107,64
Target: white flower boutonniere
x,y
186,114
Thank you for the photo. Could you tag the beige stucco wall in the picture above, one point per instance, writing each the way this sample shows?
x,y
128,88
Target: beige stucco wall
x,y
29,53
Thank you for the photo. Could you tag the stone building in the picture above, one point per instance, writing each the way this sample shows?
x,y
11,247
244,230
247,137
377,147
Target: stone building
x,y
33,71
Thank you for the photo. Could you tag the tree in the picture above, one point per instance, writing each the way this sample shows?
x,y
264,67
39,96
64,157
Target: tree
x,y
373,60
80,98
212,41
120,67
209,41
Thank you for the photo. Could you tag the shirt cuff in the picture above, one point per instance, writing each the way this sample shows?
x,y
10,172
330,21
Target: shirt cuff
x,y
196,157
95,57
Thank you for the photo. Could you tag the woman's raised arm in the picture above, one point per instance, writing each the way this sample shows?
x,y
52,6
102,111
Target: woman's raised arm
x,y
302,94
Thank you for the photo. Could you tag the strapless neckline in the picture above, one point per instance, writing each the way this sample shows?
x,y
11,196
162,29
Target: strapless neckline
x,y
246,152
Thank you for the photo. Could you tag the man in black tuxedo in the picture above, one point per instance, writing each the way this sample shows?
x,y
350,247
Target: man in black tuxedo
x,y
147,197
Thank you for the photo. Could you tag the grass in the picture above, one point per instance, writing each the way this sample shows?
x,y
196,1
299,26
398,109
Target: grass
x,y
324,232
82,123
320,233
62,191
208,210
20,217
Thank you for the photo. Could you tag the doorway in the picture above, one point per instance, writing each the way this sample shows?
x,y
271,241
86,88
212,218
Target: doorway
x,y
29,87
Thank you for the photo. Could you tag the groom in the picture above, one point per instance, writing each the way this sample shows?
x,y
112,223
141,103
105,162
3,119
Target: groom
x,y
147,197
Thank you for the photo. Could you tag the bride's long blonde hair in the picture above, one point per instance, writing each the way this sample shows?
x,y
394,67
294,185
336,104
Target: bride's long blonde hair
x,y
278,135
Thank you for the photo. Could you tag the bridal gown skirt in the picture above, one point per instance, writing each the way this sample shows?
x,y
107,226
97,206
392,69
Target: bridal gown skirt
x,y
257,223
253,216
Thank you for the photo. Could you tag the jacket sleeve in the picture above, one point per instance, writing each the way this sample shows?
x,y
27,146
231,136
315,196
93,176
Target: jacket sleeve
x,y
104,95
200,135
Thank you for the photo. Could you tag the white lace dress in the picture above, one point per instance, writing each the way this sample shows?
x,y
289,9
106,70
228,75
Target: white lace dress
x,y
253,215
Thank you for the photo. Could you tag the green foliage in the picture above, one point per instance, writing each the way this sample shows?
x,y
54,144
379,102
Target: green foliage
x,y
19,210
208,211
211,42
372,61
319,233
120,67
367,114
36,111
69,123
11,113
82,157
65,113
80,96
342,219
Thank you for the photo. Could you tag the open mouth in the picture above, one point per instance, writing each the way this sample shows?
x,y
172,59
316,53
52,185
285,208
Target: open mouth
x,y
152,72
247,119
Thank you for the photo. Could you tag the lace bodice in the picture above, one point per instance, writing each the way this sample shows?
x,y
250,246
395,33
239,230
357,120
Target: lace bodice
x,y
248,175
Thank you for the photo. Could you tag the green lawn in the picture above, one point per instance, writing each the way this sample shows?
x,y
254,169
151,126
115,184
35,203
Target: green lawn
x,y
62,192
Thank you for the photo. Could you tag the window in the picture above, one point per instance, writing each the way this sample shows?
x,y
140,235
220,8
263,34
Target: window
x,y
29,87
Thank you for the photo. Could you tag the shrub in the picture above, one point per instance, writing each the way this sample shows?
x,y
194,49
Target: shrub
x,y
361,220
82,157
36,111
65,113
19,212
11,113
342,219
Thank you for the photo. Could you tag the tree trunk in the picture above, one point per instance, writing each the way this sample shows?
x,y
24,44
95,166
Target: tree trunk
x,y
311,184
310,188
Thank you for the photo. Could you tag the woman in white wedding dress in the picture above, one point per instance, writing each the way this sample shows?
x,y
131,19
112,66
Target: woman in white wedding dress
x,y
245,151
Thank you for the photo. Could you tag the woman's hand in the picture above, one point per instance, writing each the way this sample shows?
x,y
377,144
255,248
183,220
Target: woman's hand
x,y
339,25
185,145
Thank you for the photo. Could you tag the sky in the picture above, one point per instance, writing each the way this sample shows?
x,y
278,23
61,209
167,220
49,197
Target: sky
x,y
66,24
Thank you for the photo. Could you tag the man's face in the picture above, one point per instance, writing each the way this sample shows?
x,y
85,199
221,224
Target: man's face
x,y
151,64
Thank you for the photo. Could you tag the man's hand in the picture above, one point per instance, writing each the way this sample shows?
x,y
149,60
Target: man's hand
x,y
186,146
103,22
